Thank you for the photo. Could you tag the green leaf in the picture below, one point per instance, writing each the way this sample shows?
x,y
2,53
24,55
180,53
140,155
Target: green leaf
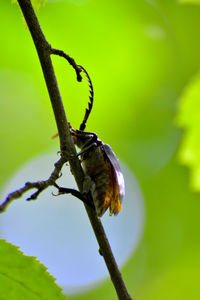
x,y
23,277
36,3
189,120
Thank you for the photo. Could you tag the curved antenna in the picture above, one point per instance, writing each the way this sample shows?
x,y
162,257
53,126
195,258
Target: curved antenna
x,y
91,97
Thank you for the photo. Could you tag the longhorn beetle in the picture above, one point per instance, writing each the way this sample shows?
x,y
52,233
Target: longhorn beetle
x,y
103,175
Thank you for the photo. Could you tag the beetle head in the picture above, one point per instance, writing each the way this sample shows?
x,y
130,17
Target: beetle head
x,y
81,138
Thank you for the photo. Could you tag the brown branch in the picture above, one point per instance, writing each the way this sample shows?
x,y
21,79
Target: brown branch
x,y
39,185
68,151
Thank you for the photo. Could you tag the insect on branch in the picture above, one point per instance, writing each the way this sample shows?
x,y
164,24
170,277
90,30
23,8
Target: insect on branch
x,y
67,146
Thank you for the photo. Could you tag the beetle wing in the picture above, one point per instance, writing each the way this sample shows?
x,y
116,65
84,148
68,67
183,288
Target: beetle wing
x,y
119,175
111,198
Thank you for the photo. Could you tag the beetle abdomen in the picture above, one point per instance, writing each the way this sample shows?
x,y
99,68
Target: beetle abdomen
x,y
105,191
99,193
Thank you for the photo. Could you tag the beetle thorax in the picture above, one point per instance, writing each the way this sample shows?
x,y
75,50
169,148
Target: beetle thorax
x,y
93,161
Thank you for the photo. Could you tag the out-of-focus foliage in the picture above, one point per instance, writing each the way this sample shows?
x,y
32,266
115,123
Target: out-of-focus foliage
x,y
140,55
190,1
23,277
189,120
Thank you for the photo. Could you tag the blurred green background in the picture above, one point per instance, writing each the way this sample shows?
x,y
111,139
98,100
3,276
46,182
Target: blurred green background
x,y
143,58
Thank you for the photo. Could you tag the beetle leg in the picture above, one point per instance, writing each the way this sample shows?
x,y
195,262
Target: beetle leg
x,y
75,193
85,149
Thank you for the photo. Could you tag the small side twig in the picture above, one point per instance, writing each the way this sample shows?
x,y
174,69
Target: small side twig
x,y
70,60
39,185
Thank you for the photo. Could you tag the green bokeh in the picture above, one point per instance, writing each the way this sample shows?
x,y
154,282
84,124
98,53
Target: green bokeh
x,y
140,55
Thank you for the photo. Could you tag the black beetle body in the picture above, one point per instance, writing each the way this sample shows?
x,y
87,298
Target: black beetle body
x,y
103,176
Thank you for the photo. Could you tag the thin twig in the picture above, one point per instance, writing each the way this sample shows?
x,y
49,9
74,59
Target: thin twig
x,y
66,143
39,185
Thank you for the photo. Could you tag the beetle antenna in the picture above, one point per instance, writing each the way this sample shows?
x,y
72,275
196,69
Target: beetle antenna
x,y
91,97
